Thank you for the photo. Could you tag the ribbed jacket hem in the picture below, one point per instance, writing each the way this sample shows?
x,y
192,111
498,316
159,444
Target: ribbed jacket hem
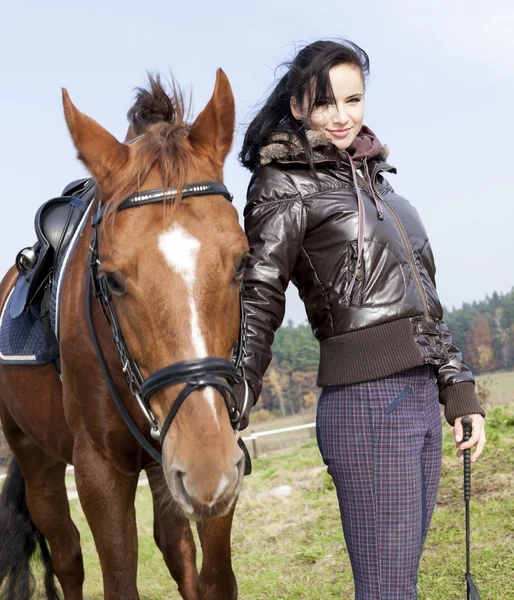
x,y
380,351
367,354
459,400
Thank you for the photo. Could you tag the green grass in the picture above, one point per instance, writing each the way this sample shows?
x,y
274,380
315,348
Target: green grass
x,y
292,548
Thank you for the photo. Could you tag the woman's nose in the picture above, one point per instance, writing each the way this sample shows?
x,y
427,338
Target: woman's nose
x,y
339,115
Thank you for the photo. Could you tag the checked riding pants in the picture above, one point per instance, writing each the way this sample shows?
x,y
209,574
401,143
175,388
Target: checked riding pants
x,y
381,441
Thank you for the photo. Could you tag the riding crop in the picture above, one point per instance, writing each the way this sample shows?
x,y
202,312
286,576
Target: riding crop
x,y
471,587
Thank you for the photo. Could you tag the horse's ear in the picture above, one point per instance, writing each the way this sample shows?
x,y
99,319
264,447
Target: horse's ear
x,y
100,151
213,130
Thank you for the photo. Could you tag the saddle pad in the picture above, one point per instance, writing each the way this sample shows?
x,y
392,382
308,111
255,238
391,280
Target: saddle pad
x,y
22,340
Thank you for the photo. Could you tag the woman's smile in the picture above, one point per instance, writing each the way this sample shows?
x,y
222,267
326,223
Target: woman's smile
x,y
339,133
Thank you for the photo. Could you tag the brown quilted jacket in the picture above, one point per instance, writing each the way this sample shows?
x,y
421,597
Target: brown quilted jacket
x,y
304,230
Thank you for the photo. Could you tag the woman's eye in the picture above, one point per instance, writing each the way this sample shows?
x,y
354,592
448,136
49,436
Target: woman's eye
x,y
115,282
354,100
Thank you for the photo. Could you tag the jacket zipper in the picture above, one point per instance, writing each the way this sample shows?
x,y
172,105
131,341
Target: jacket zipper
x,y
408,247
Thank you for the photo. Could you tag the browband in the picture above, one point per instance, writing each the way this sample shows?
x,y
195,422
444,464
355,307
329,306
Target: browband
x,y
211,188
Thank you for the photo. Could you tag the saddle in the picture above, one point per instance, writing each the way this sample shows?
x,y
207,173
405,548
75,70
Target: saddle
x,y
55,223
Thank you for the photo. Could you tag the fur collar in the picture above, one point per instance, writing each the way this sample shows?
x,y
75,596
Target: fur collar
x,y
278,149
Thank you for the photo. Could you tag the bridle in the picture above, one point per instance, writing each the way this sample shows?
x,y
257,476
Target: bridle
x,y
197,374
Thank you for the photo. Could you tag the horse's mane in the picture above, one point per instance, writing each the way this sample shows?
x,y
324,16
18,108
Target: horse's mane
x,y
161,117
155,106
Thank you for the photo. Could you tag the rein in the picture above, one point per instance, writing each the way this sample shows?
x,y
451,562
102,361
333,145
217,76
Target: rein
x,y
197,374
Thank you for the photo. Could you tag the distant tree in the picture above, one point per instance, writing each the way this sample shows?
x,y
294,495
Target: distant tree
x,y
297,346
303,383
479,347
496,301
275,384
507,310
498,309
508,347
309,401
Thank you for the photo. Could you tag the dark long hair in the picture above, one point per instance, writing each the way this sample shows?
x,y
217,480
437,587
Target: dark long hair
x,y
311,65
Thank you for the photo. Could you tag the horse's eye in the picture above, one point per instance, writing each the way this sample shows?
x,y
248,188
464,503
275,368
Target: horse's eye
x,y
241,267
115,283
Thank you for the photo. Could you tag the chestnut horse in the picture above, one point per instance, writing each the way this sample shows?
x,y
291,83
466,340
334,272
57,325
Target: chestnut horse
x,y
172,273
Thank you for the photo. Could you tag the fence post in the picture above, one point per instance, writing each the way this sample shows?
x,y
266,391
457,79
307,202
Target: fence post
x,y
253,437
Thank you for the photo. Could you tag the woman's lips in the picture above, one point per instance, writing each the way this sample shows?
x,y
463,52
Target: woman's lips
x,y
339,133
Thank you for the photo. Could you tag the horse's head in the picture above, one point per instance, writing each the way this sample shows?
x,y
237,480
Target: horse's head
x,y
174,273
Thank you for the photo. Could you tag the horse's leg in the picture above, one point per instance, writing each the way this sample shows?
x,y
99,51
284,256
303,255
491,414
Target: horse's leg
x,y
107,497
173,536
47,502
217,580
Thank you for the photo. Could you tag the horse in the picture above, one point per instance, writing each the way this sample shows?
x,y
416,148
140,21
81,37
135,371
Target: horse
x,y
167,272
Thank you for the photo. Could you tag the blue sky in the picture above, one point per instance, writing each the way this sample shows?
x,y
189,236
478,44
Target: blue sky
x,y
440,94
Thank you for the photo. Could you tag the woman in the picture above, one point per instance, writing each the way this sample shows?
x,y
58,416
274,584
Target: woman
x,y
321,214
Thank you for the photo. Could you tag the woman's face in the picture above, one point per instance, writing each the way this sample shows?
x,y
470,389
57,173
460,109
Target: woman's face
x,y
341,120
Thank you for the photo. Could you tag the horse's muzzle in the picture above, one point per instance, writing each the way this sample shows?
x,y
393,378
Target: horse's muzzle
x,y
206,493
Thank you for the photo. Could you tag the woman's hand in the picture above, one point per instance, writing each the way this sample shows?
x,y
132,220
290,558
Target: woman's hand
x,y
477,436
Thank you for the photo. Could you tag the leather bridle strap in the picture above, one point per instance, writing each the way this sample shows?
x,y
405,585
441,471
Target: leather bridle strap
x,y
198,374
207,188
187,370
133,428
214,382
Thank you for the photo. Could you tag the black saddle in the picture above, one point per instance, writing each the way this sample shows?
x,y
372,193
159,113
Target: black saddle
x,y
55,224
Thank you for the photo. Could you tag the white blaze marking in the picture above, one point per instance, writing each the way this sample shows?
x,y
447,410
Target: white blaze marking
x,y
180,250
221,488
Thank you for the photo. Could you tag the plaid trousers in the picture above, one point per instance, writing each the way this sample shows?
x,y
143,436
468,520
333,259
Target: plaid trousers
x,y
382,443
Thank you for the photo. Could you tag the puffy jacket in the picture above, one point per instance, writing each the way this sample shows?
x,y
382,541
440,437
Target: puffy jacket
x,y
303,229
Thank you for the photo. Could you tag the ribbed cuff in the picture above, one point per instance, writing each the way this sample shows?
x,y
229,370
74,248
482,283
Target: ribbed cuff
x,y
460,400
239,393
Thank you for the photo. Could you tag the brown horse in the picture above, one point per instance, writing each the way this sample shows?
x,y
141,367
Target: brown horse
x,y
173,271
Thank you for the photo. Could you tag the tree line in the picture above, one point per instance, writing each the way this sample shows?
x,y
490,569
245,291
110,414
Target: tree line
x,y
484,331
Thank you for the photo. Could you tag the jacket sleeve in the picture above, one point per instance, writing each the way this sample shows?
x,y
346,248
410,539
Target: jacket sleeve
x,y
456,383
275,231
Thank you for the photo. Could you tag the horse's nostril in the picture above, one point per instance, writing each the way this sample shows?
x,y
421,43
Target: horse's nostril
x,y
180,477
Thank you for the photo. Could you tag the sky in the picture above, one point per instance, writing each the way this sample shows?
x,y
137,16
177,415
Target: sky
x,y
440,94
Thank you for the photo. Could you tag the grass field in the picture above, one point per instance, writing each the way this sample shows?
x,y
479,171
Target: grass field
x,y
292,548
502,388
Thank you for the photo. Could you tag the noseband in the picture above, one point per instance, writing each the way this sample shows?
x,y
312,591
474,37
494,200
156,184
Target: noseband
x,y
197,374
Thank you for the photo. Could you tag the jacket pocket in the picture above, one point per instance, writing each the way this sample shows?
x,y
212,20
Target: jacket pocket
x,y
399,399
348,270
